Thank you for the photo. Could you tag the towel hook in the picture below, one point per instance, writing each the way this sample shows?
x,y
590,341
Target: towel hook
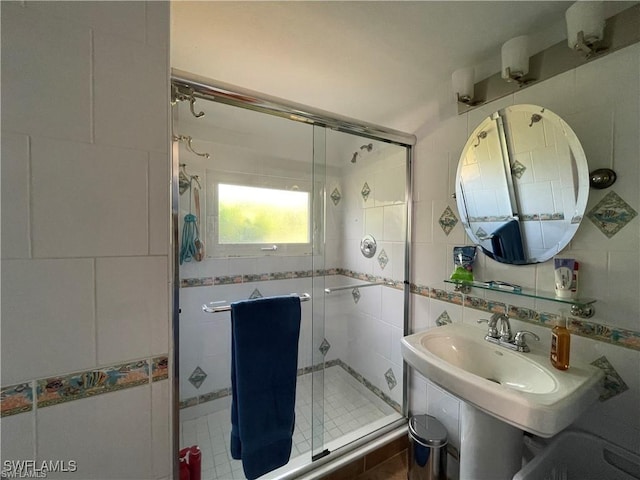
x,y
188,139
186,179
180,95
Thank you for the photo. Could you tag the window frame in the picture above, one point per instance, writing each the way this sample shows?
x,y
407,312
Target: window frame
x,y
222,250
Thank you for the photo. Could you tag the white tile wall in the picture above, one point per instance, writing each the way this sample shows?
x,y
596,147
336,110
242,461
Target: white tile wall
x,y
131,305
88,200
15,196
17,438
607,125
85,202
28,105
43,331
118,423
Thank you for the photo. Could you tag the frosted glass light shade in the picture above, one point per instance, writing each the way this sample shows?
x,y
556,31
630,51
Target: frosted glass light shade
x,y
515,57
586,17
462,80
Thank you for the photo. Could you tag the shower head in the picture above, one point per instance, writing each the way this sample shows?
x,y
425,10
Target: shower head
x,y
368,148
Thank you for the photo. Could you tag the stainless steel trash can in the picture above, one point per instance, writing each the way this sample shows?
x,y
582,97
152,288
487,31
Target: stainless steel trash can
x,y
427,449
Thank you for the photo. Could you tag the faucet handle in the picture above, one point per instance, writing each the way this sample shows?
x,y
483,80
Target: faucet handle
x,y
493,331
521,342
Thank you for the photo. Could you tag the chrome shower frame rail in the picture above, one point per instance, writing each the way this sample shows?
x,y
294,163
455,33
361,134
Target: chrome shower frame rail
x,y
357,285
304,297
191,87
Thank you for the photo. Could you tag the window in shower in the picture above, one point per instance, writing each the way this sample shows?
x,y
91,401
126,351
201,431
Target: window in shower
x,y
249,219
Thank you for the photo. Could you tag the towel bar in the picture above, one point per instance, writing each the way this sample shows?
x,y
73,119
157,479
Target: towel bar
x,y
304,297
351,287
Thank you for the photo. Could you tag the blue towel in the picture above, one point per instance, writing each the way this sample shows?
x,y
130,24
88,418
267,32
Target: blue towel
x,y
264,364
506,243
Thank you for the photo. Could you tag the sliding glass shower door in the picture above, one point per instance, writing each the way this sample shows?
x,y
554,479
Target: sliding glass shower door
x,y
274,206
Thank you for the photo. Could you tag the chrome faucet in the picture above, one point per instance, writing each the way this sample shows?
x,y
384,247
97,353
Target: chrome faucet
x,y
501,335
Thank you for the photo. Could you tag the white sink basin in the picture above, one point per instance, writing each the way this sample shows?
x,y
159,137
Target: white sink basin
x,y
522,389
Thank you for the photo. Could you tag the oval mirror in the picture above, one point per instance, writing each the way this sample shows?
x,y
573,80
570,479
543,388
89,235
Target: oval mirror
x,y
522,185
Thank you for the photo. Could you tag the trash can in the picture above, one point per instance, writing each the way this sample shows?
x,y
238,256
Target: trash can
x,y
427,449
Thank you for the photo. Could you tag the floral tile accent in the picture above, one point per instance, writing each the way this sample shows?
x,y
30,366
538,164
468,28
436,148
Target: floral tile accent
x,y
189,402
196,282
391,379
420,289
227,280
518,169
335,196
481,234
160,368
476,303
208,397
324,347
255,294
383,259
613,383
355,293
302,274
197,377
611,214
451,297
54,390
366,190
447,220
522,313
443,319
16,399
257,277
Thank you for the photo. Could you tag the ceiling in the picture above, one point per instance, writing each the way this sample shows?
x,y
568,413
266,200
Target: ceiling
x,y
384,62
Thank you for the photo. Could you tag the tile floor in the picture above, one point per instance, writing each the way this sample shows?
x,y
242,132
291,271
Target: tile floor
x,y
349,408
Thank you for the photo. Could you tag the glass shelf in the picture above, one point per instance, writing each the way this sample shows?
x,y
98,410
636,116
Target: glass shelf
x,y
580,307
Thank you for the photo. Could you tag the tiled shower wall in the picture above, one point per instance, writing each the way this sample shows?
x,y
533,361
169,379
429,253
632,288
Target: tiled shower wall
x,y
600,102
365,333
85,235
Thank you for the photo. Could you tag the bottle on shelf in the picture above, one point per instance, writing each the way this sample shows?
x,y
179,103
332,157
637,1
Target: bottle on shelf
x,y
560,343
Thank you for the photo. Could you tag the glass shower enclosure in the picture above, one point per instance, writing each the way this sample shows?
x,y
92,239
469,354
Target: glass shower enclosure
x,y
272,198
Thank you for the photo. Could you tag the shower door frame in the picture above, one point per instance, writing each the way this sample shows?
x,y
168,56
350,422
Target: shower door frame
x,y
201,87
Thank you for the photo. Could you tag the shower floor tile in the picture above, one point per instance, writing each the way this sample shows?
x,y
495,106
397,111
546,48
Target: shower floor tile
x,y
348,406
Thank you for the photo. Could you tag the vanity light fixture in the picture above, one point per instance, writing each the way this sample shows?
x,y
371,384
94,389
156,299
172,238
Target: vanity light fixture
x,y
462,80
585,26
515,59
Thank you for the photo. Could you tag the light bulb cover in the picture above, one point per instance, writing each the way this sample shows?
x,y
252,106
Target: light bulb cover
x,y
462,81
586,17
515,57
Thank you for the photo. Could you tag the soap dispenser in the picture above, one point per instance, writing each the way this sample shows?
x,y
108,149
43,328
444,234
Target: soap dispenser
x,y
560,343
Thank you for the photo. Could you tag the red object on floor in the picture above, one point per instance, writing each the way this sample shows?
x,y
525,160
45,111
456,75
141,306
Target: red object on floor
x,y
195,463
184,466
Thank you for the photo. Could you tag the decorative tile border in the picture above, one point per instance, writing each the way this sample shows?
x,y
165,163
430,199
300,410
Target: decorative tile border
x,y
524,217
595,331
266,277
159,368
16,399
196,282
49,391
65,388
225,392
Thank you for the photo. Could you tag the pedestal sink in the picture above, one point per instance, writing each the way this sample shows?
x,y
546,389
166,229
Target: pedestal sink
x,y
504,392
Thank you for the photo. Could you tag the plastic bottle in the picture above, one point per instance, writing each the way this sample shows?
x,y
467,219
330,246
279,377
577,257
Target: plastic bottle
x,y
560,344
